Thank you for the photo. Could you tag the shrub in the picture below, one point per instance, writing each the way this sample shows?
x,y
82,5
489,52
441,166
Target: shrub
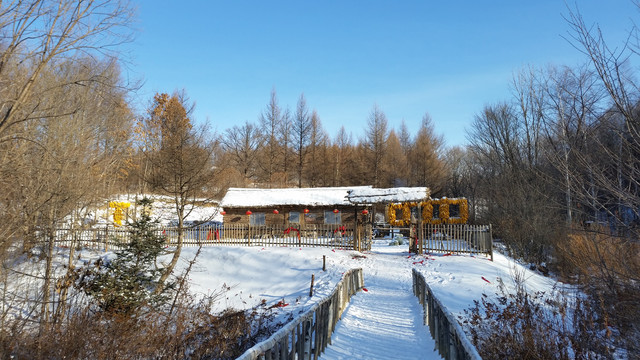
x,y
521,325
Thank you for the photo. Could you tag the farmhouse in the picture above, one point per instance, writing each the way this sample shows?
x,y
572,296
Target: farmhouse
x,y
323,216
309,206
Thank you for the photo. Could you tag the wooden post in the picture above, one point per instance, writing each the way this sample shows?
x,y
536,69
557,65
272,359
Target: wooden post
x,y
356,233
106,238
324,263
491,241
311,288
420,234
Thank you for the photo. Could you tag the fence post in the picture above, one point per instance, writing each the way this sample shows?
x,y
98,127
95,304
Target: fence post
x,y
106,238
491,241
420,236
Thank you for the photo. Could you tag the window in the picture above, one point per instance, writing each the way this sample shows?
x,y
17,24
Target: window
x,y
454,210
436,211
294,217
414,214
399,214
256,219
332,218
310,218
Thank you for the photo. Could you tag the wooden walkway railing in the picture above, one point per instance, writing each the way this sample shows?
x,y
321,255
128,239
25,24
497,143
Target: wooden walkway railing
x,y
457,238
307,336
108,238
451,341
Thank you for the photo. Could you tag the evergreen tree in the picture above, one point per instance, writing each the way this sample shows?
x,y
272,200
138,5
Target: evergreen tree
x,y
127,284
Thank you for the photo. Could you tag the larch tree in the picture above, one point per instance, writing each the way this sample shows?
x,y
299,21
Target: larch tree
x,y
270,121
406,142
318,139
182,166
286,142
395,162
302,128
343,145
427,164
375,143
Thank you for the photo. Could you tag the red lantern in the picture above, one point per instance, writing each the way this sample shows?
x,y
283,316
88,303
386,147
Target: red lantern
x,y
306,211
365,212
276,211
223,212
248,212
335,211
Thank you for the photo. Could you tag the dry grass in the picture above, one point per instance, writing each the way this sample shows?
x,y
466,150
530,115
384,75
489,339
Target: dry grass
x,y
525,325
607,268
188,330
189,333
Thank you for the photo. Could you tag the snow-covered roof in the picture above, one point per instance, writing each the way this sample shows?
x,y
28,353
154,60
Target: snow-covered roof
x,y
370,195
328,196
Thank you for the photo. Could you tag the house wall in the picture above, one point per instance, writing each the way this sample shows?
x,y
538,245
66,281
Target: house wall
x,y
315,215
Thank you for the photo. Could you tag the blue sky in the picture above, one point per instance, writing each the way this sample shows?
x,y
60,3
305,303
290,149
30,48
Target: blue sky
x,y
447,58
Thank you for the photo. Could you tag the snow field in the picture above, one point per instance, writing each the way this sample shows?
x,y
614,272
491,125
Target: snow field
x,y
384,322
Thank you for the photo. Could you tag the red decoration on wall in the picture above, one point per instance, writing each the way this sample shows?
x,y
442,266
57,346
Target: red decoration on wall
x,y
248,212
223,212
276,211
335,211
288,230
365,212
306,211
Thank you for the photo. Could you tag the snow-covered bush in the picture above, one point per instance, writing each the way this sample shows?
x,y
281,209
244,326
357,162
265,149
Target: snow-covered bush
x,y
525,325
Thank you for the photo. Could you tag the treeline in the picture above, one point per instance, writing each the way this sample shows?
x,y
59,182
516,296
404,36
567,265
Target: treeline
x,y
285,148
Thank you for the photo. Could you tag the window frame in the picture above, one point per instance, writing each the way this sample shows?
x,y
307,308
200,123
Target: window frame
x,y
257,216
335,217
297,214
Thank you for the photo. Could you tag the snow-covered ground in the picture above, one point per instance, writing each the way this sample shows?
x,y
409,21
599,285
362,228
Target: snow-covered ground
x,y
383,322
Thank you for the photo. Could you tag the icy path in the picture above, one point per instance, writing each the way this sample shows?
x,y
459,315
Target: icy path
x,y
384,322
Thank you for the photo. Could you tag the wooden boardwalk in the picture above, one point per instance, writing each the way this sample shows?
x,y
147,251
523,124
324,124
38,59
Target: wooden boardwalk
x,y
384,322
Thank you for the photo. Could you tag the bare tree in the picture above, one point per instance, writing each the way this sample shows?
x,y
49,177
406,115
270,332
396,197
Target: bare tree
x,y
241,144
302,128
57,164
287,140
40,33
270,121
459,181
603,171
343,153
40,38
375,144
406,142
622,147
318,141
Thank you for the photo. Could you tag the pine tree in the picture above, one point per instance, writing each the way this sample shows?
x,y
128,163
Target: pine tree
x,y
127,284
